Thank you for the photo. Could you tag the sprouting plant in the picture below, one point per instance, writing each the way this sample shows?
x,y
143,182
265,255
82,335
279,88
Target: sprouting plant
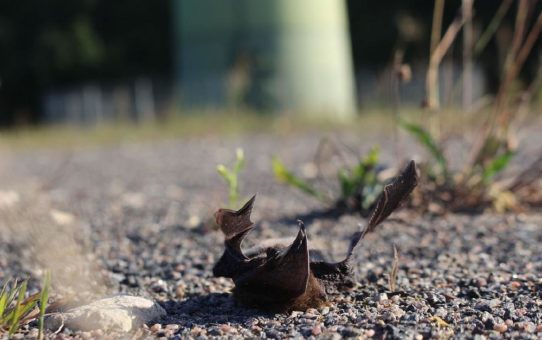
x,y
361,181
428,142
359,184
231,176
16,309
476,179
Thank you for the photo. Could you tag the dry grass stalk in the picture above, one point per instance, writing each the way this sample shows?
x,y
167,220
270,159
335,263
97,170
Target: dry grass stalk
x,y
515,67
436,29
431,81
491,29
517,39
468,39
394,270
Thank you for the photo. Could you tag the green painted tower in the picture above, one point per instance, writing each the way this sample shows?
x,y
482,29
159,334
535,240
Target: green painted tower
x,y
277,55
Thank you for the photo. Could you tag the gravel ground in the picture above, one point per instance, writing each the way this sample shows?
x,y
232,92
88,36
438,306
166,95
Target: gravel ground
x,y
132,218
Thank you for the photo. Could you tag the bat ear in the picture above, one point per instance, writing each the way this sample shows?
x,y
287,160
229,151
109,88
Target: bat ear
x,y
389,200
235,225
286,273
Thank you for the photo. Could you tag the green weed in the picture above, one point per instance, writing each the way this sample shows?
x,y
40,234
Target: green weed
x,y
17,309
359,184
231,176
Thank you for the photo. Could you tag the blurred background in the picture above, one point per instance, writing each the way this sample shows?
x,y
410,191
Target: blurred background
x,y
89,62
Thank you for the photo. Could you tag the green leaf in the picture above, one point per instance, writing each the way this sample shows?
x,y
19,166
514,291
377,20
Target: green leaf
x,y
239,160
3,300
286,176
223,171
14,321
372,157
231,176
347,187
496,165
425,138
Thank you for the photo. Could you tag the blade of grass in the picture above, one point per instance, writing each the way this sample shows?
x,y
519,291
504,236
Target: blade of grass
x,y
14,321
497,165
3,301
428,142
12,292
286,176
28,311
494,24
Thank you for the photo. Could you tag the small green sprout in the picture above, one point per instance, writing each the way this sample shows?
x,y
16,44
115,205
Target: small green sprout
x,y
362,180
15,309
231,176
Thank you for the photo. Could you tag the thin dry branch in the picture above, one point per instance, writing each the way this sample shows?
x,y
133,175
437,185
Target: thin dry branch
x,y
436,28
394,270
468,38
443,46
510,66
513,72
527,176
494,24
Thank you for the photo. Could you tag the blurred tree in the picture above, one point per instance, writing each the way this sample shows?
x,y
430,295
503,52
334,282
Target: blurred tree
x,y
47,44
55,43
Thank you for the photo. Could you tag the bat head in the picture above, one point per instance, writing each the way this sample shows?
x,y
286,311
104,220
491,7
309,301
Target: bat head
x,y
279,278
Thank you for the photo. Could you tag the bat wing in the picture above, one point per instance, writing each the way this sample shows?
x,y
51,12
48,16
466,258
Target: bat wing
x,y
339,275
284,275
393,195
235,225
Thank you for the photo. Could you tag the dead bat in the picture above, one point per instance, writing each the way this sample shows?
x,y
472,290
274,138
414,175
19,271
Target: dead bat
x,y
279,278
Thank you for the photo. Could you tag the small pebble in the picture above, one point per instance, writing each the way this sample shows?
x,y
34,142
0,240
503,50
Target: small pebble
x,y
179,291
172,327
295,314
514,285
317,329
500,327
227,329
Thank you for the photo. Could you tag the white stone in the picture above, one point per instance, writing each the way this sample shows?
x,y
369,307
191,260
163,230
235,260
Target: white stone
x,y
119,313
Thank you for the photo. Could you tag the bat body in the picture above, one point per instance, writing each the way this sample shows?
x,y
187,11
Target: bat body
x,y
283,278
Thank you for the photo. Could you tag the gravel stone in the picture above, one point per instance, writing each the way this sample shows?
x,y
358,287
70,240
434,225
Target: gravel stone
x,y
138,218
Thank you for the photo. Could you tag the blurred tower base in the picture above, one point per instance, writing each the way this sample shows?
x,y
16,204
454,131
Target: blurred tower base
x,y
268,55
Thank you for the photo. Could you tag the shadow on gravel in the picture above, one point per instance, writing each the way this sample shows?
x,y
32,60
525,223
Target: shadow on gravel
x,y
311,216
211,309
